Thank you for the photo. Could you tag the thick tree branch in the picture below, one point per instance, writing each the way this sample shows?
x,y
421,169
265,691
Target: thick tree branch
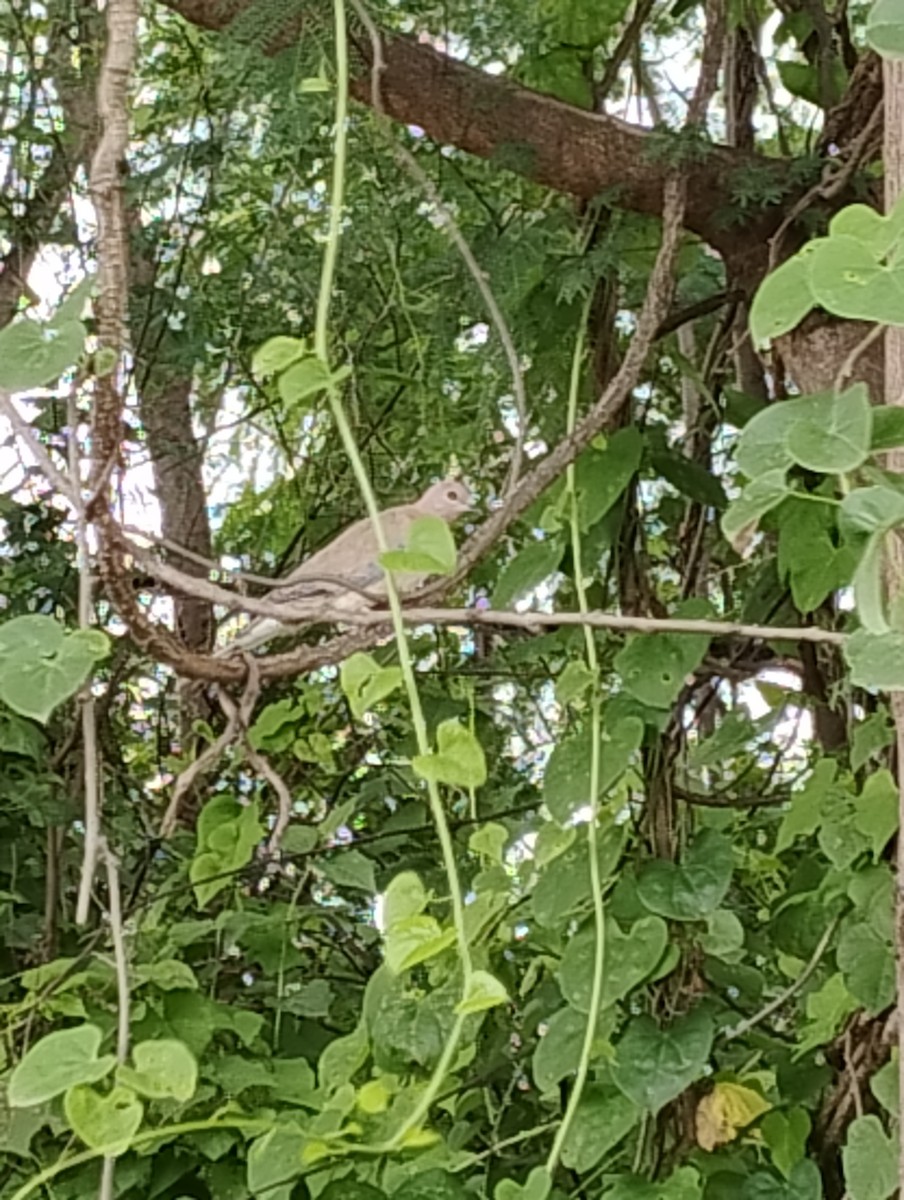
x,y
554,144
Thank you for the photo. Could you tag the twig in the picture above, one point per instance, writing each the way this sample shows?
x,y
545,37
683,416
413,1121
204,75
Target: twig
x,y
404,156
67,488
90,748
846,370
241,719
790,991
210,755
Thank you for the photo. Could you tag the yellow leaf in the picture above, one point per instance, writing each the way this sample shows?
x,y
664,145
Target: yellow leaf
x,y
725,1112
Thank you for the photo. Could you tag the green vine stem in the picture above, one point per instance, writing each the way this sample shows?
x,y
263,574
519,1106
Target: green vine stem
x,y
321,348
251,1124
596,883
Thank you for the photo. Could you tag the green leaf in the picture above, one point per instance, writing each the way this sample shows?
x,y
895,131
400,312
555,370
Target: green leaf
x,y
827,1010
351,1189
867,959
365,683
876,231
885,1087
690,890
690,478
805,80
432,1185
782,301
655,667
603,1118
885,29
350,869
870,738
41,665
483,991
869,510
459,759
804,816
537,1187
876,813
785,1134
573,681
168,974
342,1059
836,436
430,548
601,476
870,1160
489,841
724,937
107,1122
683,1184
888,427
653,1066
56,1063
743,515
164,1069
807,555
849,280
307,377
276,354
415,940
566,781
876,660
274,1159
564,883
629,959
804,1183
558,1052
404,897
33,354
527,570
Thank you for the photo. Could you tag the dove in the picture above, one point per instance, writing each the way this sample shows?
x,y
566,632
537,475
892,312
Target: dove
x,y
338,573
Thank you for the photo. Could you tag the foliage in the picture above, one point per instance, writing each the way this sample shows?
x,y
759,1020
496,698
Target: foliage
x,y
559,913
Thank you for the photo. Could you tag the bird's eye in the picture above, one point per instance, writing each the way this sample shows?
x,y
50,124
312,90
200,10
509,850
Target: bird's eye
x,y
453,495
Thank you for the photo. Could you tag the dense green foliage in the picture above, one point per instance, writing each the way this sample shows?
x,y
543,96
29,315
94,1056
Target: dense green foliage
x,y
561,912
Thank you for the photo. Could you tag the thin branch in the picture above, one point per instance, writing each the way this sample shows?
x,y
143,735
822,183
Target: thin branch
x,y
790,991
65,487
289,613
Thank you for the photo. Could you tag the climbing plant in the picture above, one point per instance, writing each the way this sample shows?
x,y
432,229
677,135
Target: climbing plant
x,y
574,875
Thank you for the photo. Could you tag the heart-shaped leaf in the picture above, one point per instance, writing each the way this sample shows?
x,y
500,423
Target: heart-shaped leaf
x,y
41,665
603,1118
689,891
629,959
653,1066
33,354
164,1069
366,683
430,549
56,1063
835,437
459,759
849,280
870,1160
483,991
106,1123
538,1187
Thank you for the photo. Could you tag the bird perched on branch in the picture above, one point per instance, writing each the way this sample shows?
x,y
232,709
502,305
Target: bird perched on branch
x,y
338,576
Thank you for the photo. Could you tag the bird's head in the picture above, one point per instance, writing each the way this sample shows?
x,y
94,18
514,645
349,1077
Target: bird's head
x,y
449,499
